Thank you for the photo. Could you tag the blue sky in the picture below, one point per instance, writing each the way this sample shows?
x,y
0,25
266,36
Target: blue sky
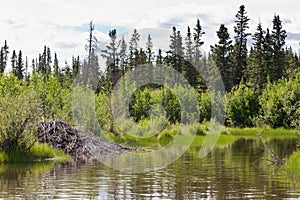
x,y
63,24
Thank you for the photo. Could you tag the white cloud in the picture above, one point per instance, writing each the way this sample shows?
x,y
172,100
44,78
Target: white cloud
x,y
31,24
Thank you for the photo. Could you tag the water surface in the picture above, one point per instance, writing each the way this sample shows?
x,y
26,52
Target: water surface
x,y
234,171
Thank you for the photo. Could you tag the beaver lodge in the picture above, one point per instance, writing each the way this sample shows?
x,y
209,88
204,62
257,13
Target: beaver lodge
x,y
82,146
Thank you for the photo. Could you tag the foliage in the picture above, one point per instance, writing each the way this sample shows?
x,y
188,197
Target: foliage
x,y
56,101
19,115
205,106
293,166
242,107
280,103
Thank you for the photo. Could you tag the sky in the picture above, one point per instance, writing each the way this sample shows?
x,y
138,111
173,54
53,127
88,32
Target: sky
x,y
63,25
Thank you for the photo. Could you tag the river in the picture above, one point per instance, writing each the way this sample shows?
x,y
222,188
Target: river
x,y
238,170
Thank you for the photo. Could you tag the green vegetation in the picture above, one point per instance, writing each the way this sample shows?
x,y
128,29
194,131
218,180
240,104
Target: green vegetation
x,y
37,152
266,131
293,166
262,89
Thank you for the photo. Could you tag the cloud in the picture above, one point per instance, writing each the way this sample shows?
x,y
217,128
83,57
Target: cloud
x,y
63,25
66,45
293,36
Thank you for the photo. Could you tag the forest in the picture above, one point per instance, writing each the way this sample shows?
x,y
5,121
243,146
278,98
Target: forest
x,y
261,80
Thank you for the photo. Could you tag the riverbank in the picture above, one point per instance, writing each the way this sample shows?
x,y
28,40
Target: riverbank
x,y
227,135
39,152
60,142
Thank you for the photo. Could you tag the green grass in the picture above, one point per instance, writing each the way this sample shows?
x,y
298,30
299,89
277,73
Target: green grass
x,y
265,131
38,152
293,166
44,151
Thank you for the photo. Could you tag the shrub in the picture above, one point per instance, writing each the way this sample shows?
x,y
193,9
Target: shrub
x,y
18,120
242,107
205,106
280,103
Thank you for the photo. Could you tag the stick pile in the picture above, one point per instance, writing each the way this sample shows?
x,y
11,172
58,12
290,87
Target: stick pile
x,y
80,145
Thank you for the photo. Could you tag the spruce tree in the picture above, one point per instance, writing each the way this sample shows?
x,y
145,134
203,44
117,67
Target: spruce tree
x,y
240,47
1,61
149,47
20,66
123,55
191,72
278,37
176,51
268,54
198,42
56,72
26,67
14,59
111,55
256,71
221,54
5,55
134,41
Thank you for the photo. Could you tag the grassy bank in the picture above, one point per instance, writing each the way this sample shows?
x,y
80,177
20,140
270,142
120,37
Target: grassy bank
x,y
266,131
39,152
293,166
228,136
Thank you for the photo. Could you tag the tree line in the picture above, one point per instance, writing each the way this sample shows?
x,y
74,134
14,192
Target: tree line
x,y
267,59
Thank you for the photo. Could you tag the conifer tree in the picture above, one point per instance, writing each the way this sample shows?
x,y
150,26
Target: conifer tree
x,y
56,66
134,41
221,54
256,72
1,61
14,62
20,66
191,72
123,55
5,55
111,55
278,37
198,42
149,47
176,51
240,47
26,67
268,54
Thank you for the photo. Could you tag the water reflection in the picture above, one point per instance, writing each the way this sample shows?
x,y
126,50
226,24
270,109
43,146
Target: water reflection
x,y
238,170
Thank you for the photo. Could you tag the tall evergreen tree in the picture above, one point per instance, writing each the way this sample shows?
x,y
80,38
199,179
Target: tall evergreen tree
x,y
43,62
134,41
14,60
256,71
90,67
191,72
189,45
75,66
198,42
123,55
240,47
48,61
1,61
56,67
20,66
177,52
268,54
221,54
278,37
33,66
26,67
111,55
5,55
149,47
